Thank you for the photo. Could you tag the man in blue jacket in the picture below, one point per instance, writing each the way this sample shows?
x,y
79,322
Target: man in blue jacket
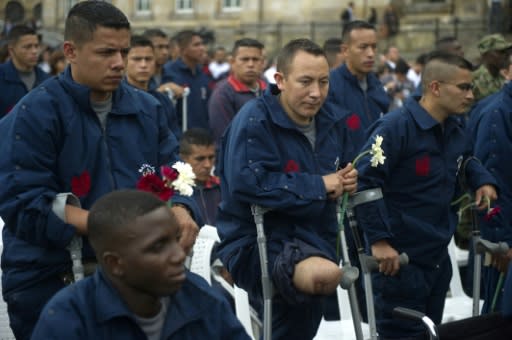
x,y
68,142
186,71
426,149
492,145
141,289
282,152
20,74
355,87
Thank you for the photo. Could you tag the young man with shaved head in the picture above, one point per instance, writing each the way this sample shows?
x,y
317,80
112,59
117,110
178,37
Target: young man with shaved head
x,y
426,152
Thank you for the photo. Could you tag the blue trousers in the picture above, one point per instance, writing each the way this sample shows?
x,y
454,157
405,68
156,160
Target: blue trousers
x,y
25,305
414,287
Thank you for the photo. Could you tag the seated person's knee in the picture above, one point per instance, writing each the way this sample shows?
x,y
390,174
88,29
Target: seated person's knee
x,y
317,276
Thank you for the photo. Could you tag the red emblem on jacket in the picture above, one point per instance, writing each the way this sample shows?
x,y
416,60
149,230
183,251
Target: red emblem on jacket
x,y
423,166
353,122
80,185
291,166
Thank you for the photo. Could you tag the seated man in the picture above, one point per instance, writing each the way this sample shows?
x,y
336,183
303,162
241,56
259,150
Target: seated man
x,y
141,289
281,151
197,148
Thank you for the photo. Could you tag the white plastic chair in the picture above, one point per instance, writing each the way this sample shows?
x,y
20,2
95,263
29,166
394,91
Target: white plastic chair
x,y
201,265
458,305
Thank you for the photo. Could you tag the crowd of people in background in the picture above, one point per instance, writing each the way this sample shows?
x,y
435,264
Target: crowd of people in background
x,y
80,121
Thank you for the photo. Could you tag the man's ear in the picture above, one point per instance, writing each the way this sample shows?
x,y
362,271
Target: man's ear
x,y
69,49
113,263
344,49
279,78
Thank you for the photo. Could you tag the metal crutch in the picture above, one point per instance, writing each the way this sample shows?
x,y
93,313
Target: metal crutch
x,y
75,251
368,263
258,212
406,313
184,109
352,295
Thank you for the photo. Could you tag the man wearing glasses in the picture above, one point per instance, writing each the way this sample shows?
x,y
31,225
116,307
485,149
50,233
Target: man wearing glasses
x,y
425,147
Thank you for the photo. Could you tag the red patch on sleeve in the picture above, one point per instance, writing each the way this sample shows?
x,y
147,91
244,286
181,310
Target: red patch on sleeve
x,y
353,122
80,185
291,166
423,166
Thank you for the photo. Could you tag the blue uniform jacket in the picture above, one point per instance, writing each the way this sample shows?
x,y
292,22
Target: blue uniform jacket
x,y
364,109
54,143
266,160
197,101
493,146
93,309
12,88
418,180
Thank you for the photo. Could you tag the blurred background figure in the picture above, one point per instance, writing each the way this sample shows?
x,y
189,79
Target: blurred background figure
x,y
219,67
332,49
58,62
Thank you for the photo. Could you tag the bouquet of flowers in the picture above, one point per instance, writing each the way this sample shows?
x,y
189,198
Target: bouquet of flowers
x,y
180,177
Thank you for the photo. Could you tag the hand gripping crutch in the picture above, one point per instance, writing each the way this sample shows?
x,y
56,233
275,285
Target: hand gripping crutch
x,y
266,282
184,109
406,313
481,247
368,263
352,295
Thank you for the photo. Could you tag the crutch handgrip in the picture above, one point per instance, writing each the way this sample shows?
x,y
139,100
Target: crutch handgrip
x,y
494,248
410,314
349,276
372,264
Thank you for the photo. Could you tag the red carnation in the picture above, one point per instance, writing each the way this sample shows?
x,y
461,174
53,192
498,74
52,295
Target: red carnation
x,y
493,212
353,122
169,174
154,184
80,185
291,166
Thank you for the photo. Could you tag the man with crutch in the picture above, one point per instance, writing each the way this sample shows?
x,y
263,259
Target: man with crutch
x,y
425,145
281,152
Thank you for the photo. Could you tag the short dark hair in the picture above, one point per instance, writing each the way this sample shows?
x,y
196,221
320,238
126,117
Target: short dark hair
x,y
154,32
438,66
246,42
288,52
332,45
443,41
85,17
19,31
140,41
195,136
402,67
183,38
355,25
110,214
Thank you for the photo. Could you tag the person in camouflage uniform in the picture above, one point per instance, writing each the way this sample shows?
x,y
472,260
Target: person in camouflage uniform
x,y
487,79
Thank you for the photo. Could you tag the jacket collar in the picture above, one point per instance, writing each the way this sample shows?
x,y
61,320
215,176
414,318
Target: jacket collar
x,y
81,94
326,117
238,86
182,309
424,120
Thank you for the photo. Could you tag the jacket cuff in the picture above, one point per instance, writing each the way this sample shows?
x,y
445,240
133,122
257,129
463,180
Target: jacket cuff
x,y
60,201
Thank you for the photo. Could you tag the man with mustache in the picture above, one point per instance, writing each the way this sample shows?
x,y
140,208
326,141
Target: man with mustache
x,y
243,84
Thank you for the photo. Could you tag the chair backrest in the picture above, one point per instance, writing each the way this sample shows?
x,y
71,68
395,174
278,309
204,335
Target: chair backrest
x,y
456,282
201,264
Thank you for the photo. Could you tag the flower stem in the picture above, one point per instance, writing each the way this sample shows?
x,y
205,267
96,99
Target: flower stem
x,y
497,291
362,154
461,198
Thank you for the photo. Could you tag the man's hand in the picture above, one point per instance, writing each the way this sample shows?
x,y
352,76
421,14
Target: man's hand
x,y
333,185
501,261
349,178
188,227
175,88
387,256
485,191
77,217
